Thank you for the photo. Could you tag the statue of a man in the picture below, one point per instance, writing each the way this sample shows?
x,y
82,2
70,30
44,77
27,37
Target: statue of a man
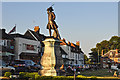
x,y
51,23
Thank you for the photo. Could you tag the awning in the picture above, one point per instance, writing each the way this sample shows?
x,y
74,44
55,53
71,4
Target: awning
x,y
6,54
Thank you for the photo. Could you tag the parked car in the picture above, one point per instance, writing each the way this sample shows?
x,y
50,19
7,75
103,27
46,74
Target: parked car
x,y
25,66
114,67
5,68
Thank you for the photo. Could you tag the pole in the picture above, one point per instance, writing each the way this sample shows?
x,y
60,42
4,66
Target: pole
x,y
74,69
74,75
98,55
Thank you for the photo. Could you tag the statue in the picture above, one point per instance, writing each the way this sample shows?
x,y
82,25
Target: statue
x,y
51,23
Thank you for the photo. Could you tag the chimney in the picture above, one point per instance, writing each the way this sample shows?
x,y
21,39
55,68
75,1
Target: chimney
x,y
64,39
68,43
3,30
78,43
37,29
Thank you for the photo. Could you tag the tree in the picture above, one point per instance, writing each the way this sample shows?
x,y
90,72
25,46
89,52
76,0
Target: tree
x,y
86,59
113,43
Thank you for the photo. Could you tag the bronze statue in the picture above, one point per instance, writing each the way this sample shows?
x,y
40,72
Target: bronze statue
x,y
51,23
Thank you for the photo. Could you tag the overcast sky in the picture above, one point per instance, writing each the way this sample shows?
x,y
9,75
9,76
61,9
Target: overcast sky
x,y
87,22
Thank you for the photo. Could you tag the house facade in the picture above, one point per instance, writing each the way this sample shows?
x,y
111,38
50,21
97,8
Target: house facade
x,y
29,46
72,53
26,49
6,46
111,57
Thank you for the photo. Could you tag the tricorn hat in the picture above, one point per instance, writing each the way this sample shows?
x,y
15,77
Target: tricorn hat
x,y
50,9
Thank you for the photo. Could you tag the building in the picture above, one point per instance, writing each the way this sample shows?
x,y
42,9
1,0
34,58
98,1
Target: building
x,y
29,46
6,46
71,53
111,57
25,48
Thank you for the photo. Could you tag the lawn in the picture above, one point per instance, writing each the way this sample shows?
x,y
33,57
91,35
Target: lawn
x,y
100,72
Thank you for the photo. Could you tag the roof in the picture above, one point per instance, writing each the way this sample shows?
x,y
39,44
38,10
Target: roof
x,y
35,35
73,45
5,35
63,42
112,53
62,51
20,35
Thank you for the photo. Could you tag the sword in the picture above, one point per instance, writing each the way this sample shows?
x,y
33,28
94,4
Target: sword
x,y
52,5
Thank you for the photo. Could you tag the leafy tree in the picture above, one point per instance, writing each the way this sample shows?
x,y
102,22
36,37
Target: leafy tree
x,y
86,59
113,43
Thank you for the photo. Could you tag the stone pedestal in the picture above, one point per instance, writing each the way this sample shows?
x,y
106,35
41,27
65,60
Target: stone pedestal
x,y
51,58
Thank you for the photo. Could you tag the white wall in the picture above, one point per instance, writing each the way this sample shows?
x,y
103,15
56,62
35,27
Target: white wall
x,y
19,46
72,55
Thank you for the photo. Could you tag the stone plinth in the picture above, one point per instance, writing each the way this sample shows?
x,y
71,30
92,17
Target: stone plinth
x,y
51,57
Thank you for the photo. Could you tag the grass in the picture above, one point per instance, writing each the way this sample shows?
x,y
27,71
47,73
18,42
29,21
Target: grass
x,y
100,73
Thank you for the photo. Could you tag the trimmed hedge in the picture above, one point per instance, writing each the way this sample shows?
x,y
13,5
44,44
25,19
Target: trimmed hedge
x,y
7,74
36,76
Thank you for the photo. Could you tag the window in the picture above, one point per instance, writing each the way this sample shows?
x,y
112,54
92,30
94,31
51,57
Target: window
x,y
104,60
29,47
8,42
63,56
76,56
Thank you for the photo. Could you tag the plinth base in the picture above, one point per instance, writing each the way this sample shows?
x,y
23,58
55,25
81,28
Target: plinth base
x,y
50,72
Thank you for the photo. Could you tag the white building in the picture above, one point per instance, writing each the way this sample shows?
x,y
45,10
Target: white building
x,y
72,54
26,48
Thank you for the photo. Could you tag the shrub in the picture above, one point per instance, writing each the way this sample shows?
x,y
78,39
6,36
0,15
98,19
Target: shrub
x,y
7,74
93,77
59,78
81,76
30,75
22,74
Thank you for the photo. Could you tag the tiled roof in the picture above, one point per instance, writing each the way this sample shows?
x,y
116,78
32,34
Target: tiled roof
x,y
63,42
72,45
111,53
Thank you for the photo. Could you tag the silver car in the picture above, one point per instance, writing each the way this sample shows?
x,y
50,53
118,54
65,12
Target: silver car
x,y
114,67
5,68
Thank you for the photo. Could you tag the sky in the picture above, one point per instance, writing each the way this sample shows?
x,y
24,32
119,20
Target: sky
x,y
87,22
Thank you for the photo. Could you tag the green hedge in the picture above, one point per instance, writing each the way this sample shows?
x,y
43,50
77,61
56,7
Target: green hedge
x,y
36,76
7,74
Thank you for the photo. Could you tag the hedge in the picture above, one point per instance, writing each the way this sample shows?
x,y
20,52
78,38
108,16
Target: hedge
x,y
36,76
7,74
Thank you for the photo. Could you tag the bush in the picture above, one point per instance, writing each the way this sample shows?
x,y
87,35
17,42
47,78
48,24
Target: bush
x,y
29,75
36,76
81,76
93,77
7,74
22,74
